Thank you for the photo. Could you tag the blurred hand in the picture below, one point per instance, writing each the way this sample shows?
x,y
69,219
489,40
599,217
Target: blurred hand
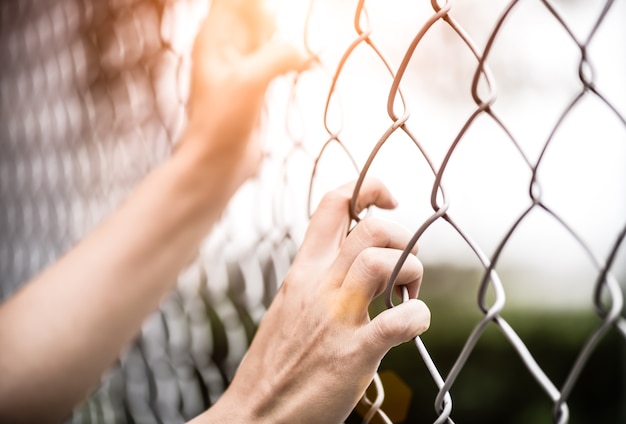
x,y
234,60
316,350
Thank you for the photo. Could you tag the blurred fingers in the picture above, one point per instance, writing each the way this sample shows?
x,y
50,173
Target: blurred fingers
x,y
234,29
273,59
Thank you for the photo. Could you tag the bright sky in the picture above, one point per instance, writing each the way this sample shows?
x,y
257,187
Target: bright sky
x,y
583,175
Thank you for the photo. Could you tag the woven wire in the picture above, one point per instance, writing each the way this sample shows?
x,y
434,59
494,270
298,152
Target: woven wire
x,y
92,97
608,295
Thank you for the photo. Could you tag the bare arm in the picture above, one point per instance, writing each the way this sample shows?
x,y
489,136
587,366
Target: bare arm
x,y
66,326
316,349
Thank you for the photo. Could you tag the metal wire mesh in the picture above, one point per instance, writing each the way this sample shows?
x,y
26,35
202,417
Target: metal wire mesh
x,y
608,296
92,97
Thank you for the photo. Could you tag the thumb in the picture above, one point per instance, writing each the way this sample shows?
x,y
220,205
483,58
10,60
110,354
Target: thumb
x,y
275,58
396,325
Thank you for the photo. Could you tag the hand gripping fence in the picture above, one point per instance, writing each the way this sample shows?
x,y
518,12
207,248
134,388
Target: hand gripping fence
x,y
92,97
610,311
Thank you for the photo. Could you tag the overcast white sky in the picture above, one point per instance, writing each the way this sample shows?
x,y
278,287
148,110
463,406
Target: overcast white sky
x,y
535,65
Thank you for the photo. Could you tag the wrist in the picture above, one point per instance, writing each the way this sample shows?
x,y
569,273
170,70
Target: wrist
x,y
201,176
226,410
209,169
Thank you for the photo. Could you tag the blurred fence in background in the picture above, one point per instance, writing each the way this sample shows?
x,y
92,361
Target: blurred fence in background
x,y
500,127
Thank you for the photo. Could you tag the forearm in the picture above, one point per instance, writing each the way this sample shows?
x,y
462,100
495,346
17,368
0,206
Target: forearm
x,y
67,326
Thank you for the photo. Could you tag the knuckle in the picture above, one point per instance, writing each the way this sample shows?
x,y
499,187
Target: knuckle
x,y
373,183
386,330
371,264
334,200
379,332
374,231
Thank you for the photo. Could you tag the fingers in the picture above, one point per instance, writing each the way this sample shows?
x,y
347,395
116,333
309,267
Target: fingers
x,y
232,30
273,59
370,232
395,326
330,222
242,24
237,37
368,277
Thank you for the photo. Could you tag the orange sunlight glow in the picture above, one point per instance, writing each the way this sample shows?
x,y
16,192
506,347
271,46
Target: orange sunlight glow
x,y
290,17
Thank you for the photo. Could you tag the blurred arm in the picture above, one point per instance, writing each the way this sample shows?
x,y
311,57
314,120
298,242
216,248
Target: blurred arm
x,y
64,328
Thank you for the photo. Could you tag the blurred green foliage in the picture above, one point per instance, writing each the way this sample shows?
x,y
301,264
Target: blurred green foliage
x,y
495,386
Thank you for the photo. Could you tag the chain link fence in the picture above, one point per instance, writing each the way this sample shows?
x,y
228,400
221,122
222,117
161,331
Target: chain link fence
x,y
500,126
527,75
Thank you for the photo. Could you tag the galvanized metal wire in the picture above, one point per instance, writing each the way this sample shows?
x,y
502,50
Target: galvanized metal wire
x,y
609,296
92,96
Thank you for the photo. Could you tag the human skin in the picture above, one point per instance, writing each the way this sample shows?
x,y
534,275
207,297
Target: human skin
x,y
316,350
66,327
